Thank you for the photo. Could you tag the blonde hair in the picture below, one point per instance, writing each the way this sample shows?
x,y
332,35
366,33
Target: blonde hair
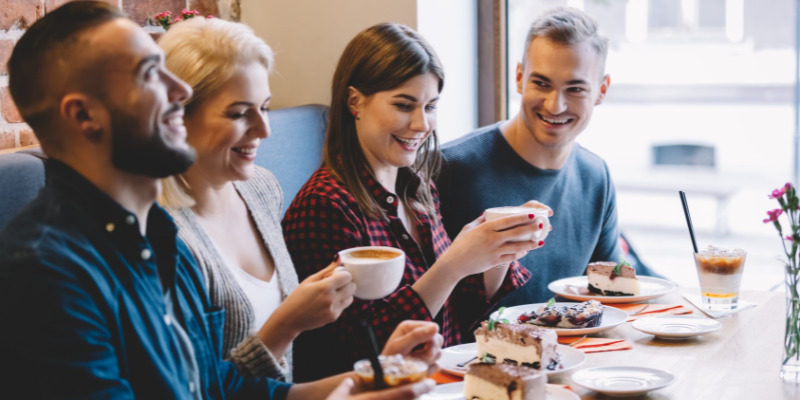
x,y
205,52
567,25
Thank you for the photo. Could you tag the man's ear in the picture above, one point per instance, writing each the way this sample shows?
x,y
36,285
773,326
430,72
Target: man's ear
x,y
82,113
519,78
604,84
355,99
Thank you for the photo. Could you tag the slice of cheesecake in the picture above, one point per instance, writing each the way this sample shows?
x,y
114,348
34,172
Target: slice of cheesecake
x,y
518,344
605,282
503,381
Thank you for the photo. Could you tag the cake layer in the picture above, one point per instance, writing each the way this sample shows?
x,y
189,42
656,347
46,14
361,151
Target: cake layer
x,y
500,382
604,281
518,344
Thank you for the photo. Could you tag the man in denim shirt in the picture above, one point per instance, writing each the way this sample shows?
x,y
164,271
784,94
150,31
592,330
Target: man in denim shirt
x,y
99,298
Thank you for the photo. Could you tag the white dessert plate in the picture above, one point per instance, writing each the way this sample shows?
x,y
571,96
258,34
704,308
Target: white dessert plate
x,y
571,358
675,327
622,381
455,391
611,318
576,288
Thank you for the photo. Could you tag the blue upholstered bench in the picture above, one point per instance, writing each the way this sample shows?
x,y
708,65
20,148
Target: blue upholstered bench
x,y
292,152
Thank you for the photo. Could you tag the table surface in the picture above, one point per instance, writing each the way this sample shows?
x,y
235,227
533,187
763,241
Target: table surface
x,y
740,361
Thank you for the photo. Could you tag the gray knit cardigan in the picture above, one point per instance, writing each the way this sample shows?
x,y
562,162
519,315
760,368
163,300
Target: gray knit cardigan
x,y
263,196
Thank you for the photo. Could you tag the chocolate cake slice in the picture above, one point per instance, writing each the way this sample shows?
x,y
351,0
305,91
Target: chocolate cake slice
x,y
503,381
518,344
603,279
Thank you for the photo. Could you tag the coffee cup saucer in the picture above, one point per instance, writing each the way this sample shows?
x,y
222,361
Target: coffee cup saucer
x,y
676,327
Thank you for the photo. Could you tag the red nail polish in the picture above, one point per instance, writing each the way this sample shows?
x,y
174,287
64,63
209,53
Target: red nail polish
x,y
541,243
541,226
530,216
336,257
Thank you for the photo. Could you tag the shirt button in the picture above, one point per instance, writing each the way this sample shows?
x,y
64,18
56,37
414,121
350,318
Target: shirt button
x,y
390,199
110,227
191,387
146,253
167,320
405,236
130,219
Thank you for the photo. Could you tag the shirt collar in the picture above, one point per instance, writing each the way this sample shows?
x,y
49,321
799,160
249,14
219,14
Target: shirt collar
x,y
386,199
121,225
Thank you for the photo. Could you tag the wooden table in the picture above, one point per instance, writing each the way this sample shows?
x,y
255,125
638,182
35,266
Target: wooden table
x,y
739,361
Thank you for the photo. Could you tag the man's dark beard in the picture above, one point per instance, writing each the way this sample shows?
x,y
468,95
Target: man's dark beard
x,y
151,156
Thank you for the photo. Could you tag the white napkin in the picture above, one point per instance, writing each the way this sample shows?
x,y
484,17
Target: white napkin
x,y
698,304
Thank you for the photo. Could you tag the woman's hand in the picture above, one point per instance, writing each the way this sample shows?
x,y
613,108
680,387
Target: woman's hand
x,y
318,300
483,244
479,247
418,339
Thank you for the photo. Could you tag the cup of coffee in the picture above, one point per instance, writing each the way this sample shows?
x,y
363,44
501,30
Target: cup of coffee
x,y
376,270
397,370
720,272
540,218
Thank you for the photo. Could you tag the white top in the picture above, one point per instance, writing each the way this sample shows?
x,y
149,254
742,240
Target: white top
x,y
264,296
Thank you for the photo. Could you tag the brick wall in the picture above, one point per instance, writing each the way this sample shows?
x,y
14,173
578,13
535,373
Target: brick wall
x,y
17,15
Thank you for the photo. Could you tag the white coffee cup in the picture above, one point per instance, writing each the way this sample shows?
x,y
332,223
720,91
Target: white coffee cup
x,y
376,270
540,218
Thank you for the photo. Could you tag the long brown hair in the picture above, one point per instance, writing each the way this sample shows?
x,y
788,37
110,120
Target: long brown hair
x,y
380,58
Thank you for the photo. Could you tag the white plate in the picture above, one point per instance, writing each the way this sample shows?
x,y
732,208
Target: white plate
x,y
455,391
611,318
571,358
672,327
622,381
576,288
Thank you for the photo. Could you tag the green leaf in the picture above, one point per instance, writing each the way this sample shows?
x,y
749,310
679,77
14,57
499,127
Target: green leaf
x,y
619,265
486,359
551,302
491,324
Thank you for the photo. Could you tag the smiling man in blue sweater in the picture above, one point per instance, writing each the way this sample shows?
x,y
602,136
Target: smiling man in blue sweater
x,y
533,155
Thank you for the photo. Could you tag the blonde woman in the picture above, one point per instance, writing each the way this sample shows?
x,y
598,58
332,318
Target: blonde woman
x,y
228,209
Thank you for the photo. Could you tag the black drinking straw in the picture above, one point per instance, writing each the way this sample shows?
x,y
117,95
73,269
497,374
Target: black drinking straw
x,y
688,218
377,369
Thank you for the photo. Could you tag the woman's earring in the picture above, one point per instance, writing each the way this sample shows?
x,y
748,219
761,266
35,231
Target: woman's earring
x,y
355,115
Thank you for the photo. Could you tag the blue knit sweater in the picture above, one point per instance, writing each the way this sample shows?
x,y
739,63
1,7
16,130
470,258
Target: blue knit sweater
x,y
482,170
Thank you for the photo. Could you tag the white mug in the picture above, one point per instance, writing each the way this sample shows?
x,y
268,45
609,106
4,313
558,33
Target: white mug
x,y
376,270
540,218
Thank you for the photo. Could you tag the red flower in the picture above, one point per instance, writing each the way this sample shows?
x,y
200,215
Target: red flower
x,y
773,215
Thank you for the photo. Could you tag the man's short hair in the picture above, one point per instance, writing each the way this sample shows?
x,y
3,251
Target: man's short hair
x,y
40,66
567,25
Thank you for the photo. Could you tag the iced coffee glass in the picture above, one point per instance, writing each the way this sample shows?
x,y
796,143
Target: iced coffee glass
x,y
720,272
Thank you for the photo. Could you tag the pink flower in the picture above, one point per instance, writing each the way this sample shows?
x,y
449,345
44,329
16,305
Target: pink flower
x,y
773,215
778,193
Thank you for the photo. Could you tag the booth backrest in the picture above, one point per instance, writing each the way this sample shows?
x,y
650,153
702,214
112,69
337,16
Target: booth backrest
x,y
294,149
21,177
292,152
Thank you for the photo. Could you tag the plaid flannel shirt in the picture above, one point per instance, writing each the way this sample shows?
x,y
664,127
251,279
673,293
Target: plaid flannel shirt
x,y
325,218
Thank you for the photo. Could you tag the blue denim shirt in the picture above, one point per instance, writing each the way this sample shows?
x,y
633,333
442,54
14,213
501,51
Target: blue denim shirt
x,y
82,305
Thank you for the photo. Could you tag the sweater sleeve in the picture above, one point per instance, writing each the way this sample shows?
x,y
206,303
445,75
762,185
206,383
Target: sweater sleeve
x,y
254,360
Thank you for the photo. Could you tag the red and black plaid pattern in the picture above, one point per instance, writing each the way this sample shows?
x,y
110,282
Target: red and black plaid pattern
x,y
323,219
